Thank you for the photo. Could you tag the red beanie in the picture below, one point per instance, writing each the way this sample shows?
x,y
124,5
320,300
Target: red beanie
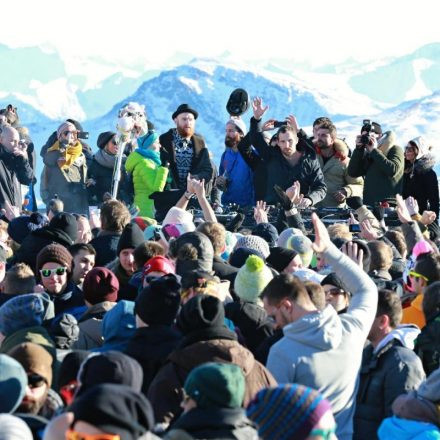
x,y
100,284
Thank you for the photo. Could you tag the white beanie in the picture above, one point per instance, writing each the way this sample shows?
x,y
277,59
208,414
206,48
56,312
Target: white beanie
x,y
239,123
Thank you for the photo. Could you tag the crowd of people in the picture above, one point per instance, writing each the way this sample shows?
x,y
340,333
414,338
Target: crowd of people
x,y
133,308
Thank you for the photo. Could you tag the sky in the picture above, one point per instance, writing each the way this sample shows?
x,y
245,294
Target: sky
x,y
317,32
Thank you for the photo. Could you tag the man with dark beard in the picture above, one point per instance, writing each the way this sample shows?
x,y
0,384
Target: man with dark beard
x,y
235,176
332,154
185,151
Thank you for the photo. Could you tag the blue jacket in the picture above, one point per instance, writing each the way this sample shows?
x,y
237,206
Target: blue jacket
x,y
240,189
394,428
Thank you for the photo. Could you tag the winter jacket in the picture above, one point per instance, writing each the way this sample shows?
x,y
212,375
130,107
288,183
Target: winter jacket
x,y
319,346
387,371
336,176
420,182
279,172
68,184
101,170
382,170
252,320
428,344
213,423
403,429
70,298
148,177
240,179
165,390
224,270
200,165
151,346
90,326
14,172
414,313
105,245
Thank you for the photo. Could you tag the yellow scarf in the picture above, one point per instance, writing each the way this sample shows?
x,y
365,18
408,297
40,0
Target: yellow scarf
x,y
71,153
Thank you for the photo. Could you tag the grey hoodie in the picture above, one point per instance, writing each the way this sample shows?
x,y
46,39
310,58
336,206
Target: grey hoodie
x,y
323,350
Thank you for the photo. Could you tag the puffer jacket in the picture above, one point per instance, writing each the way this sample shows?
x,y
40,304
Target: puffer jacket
x,y
148,178
336,176
382,169
420,182
165,392
393,370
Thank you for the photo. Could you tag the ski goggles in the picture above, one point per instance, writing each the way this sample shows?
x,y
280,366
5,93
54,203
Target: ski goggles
x,y
46,273
75,435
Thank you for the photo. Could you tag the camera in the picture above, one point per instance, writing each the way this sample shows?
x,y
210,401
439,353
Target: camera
x,y
82,135
354,227
278,124
369,127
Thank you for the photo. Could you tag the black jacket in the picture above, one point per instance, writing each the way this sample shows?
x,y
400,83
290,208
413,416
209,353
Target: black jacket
x,y
105,245
70,298
279,172
420,182
200,165
213,423
252,320
394,370
428,344
14,171
37,240
224,270
150,346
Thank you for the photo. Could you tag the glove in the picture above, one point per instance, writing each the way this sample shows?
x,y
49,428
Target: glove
x,y
354,202
286,203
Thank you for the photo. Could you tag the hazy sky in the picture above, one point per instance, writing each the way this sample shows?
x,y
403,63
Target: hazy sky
x,y
317,31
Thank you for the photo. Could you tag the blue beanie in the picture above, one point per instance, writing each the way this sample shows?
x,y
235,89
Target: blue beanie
x,y
13,383
147,140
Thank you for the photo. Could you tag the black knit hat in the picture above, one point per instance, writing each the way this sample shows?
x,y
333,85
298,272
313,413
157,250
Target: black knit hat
x,y
205,253
20,227
184,108
201,312
66,223
268,232
70,366
333,280
104,138
54,253
115,409
110,367
279,258
240,255
158,303
131,237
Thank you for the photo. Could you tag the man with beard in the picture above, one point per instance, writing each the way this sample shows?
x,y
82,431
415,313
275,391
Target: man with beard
x,y
235,177
39,403
332,155
185,151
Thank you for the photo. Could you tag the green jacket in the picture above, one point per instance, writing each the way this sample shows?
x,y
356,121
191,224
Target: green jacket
x,y
382,169
147,179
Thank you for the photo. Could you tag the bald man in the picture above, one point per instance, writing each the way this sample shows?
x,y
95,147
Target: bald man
x,y
15,169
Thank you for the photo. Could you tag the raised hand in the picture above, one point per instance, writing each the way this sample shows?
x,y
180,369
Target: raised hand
x,y
258,108
428,217
367,231
199,188
292,122
260,212
322,239
412,205
268,125
294,193
402,210
354,253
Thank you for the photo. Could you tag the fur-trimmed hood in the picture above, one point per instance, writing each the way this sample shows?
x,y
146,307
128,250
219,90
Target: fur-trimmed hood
x,y
387,140
422,165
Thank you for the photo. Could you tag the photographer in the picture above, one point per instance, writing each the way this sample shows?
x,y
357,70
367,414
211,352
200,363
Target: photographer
x,y
236,177
65,171
379,161
289,161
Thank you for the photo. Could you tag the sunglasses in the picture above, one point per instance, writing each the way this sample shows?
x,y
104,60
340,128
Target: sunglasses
x,y
414,274
66,133
335,292
46,273
75,435
35,380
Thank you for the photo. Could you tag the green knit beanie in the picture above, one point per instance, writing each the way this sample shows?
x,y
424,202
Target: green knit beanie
x,y
216,385
252,278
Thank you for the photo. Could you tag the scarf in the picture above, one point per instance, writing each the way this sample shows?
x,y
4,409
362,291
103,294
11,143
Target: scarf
x,y
71,153
105,159
150,154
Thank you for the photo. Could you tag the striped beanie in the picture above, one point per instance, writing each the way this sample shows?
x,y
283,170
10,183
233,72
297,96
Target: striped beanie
x,y
287,411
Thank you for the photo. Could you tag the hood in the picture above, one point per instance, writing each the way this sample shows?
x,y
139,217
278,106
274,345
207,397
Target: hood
x,y
406,334
387,140
217,350
403,429
320,330
421,144
424,164
118,325
341,149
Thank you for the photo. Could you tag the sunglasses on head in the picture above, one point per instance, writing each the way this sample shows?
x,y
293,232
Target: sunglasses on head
x,y
75,435
45,273
35,380
415,274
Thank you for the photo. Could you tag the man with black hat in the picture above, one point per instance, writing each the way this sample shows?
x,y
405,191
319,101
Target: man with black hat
x,y
380,161
184,150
